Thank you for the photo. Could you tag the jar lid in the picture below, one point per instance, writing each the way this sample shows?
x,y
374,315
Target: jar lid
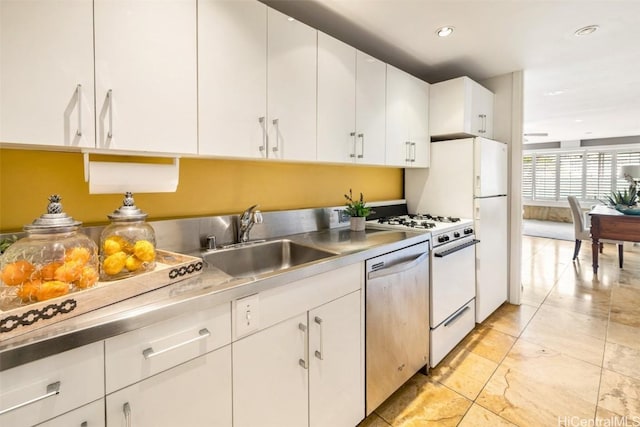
x,y
128,211
55,220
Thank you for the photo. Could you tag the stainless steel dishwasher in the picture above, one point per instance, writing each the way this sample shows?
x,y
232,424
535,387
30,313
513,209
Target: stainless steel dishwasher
x,y
397,320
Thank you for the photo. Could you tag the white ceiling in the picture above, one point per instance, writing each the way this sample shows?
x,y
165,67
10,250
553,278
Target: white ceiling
x,y
598,75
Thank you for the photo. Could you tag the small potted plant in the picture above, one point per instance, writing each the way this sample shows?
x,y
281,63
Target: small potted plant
x,y
357,210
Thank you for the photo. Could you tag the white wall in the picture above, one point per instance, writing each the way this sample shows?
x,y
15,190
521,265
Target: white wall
x,y
508,127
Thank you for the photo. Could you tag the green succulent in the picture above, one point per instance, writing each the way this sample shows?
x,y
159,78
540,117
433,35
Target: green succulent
x,y
356,207
6,242
627,198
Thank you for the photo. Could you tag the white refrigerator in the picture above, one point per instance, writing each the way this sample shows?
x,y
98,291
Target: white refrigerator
x,y
468,179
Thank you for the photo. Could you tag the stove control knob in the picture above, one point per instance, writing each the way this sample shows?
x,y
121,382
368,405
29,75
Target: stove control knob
x,y
468,230
456,234
441,239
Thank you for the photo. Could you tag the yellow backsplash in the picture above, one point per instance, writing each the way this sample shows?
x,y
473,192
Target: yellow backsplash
x,y
207,187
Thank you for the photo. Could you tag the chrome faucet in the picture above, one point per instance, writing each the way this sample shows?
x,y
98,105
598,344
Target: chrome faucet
x,y
248,218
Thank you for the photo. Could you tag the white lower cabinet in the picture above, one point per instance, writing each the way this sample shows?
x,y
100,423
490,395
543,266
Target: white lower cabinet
x,y
43,389
270,385
196,393
336,381
91,415
304,371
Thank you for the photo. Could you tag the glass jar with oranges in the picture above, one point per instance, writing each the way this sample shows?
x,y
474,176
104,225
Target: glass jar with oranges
x,y
55,258
128,244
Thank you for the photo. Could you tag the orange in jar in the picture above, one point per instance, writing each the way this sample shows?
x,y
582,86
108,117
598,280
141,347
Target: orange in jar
x,y
68,272
88,279
53,289
47,272
79,255
29,290
17,272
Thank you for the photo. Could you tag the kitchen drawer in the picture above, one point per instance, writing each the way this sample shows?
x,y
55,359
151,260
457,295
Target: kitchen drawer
x,y
92,415
136,355
446,336
281,303
77,374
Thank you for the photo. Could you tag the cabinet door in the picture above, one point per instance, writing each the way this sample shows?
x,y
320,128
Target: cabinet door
x,y
46,72
336,100
196,393
146,88
232,73
418,115
91,415
398,149
336,371
371,83
291,88
481,110
270,383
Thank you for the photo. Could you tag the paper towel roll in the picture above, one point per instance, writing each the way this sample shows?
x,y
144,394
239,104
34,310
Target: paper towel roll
x,y
117,178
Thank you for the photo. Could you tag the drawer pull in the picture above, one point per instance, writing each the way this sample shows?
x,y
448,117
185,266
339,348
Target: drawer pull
x,y
52,390
202,334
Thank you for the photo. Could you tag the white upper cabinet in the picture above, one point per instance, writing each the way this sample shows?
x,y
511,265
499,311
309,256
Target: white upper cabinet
x,y
460,107
407,143
371,75
46,72
336,100
146,82
232,75
291,88
351,104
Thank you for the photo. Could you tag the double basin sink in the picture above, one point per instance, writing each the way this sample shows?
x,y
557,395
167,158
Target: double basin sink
x,y
258,259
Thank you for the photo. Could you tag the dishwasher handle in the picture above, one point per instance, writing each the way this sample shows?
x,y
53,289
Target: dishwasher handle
x,y
397,268
456,249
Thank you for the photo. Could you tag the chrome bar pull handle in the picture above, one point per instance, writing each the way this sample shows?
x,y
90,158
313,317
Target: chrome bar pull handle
x,y
150,352
79,96
276,124
407,151
319,353
413,157
305,361
361,136
126,410
263,147
110,100
483,128
353,154
52,390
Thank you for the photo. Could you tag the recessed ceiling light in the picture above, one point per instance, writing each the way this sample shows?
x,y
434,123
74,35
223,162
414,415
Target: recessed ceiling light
x,y
554,93
585,31
291,19
579,120
444,31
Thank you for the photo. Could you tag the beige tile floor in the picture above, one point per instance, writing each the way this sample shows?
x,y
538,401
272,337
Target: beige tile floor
x,y
569,355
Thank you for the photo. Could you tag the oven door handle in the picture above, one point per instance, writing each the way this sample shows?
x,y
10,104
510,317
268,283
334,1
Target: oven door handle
x,y
456,249
398,268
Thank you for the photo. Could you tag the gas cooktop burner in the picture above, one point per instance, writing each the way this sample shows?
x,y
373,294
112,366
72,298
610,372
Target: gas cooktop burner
x,y
435,218
407,221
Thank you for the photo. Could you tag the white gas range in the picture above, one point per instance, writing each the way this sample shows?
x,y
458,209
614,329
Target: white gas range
x,y
453,282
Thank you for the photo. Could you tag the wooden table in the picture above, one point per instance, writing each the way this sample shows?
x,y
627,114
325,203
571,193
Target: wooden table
x,y
608,223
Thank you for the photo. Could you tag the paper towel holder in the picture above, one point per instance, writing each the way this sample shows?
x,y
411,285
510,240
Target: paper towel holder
x,y
119,177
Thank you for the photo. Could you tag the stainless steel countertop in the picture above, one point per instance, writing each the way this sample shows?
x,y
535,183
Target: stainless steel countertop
x,y
211,287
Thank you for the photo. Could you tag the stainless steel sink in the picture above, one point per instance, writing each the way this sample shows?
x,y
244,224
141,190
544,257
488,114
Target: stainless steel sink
x,y
249,260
